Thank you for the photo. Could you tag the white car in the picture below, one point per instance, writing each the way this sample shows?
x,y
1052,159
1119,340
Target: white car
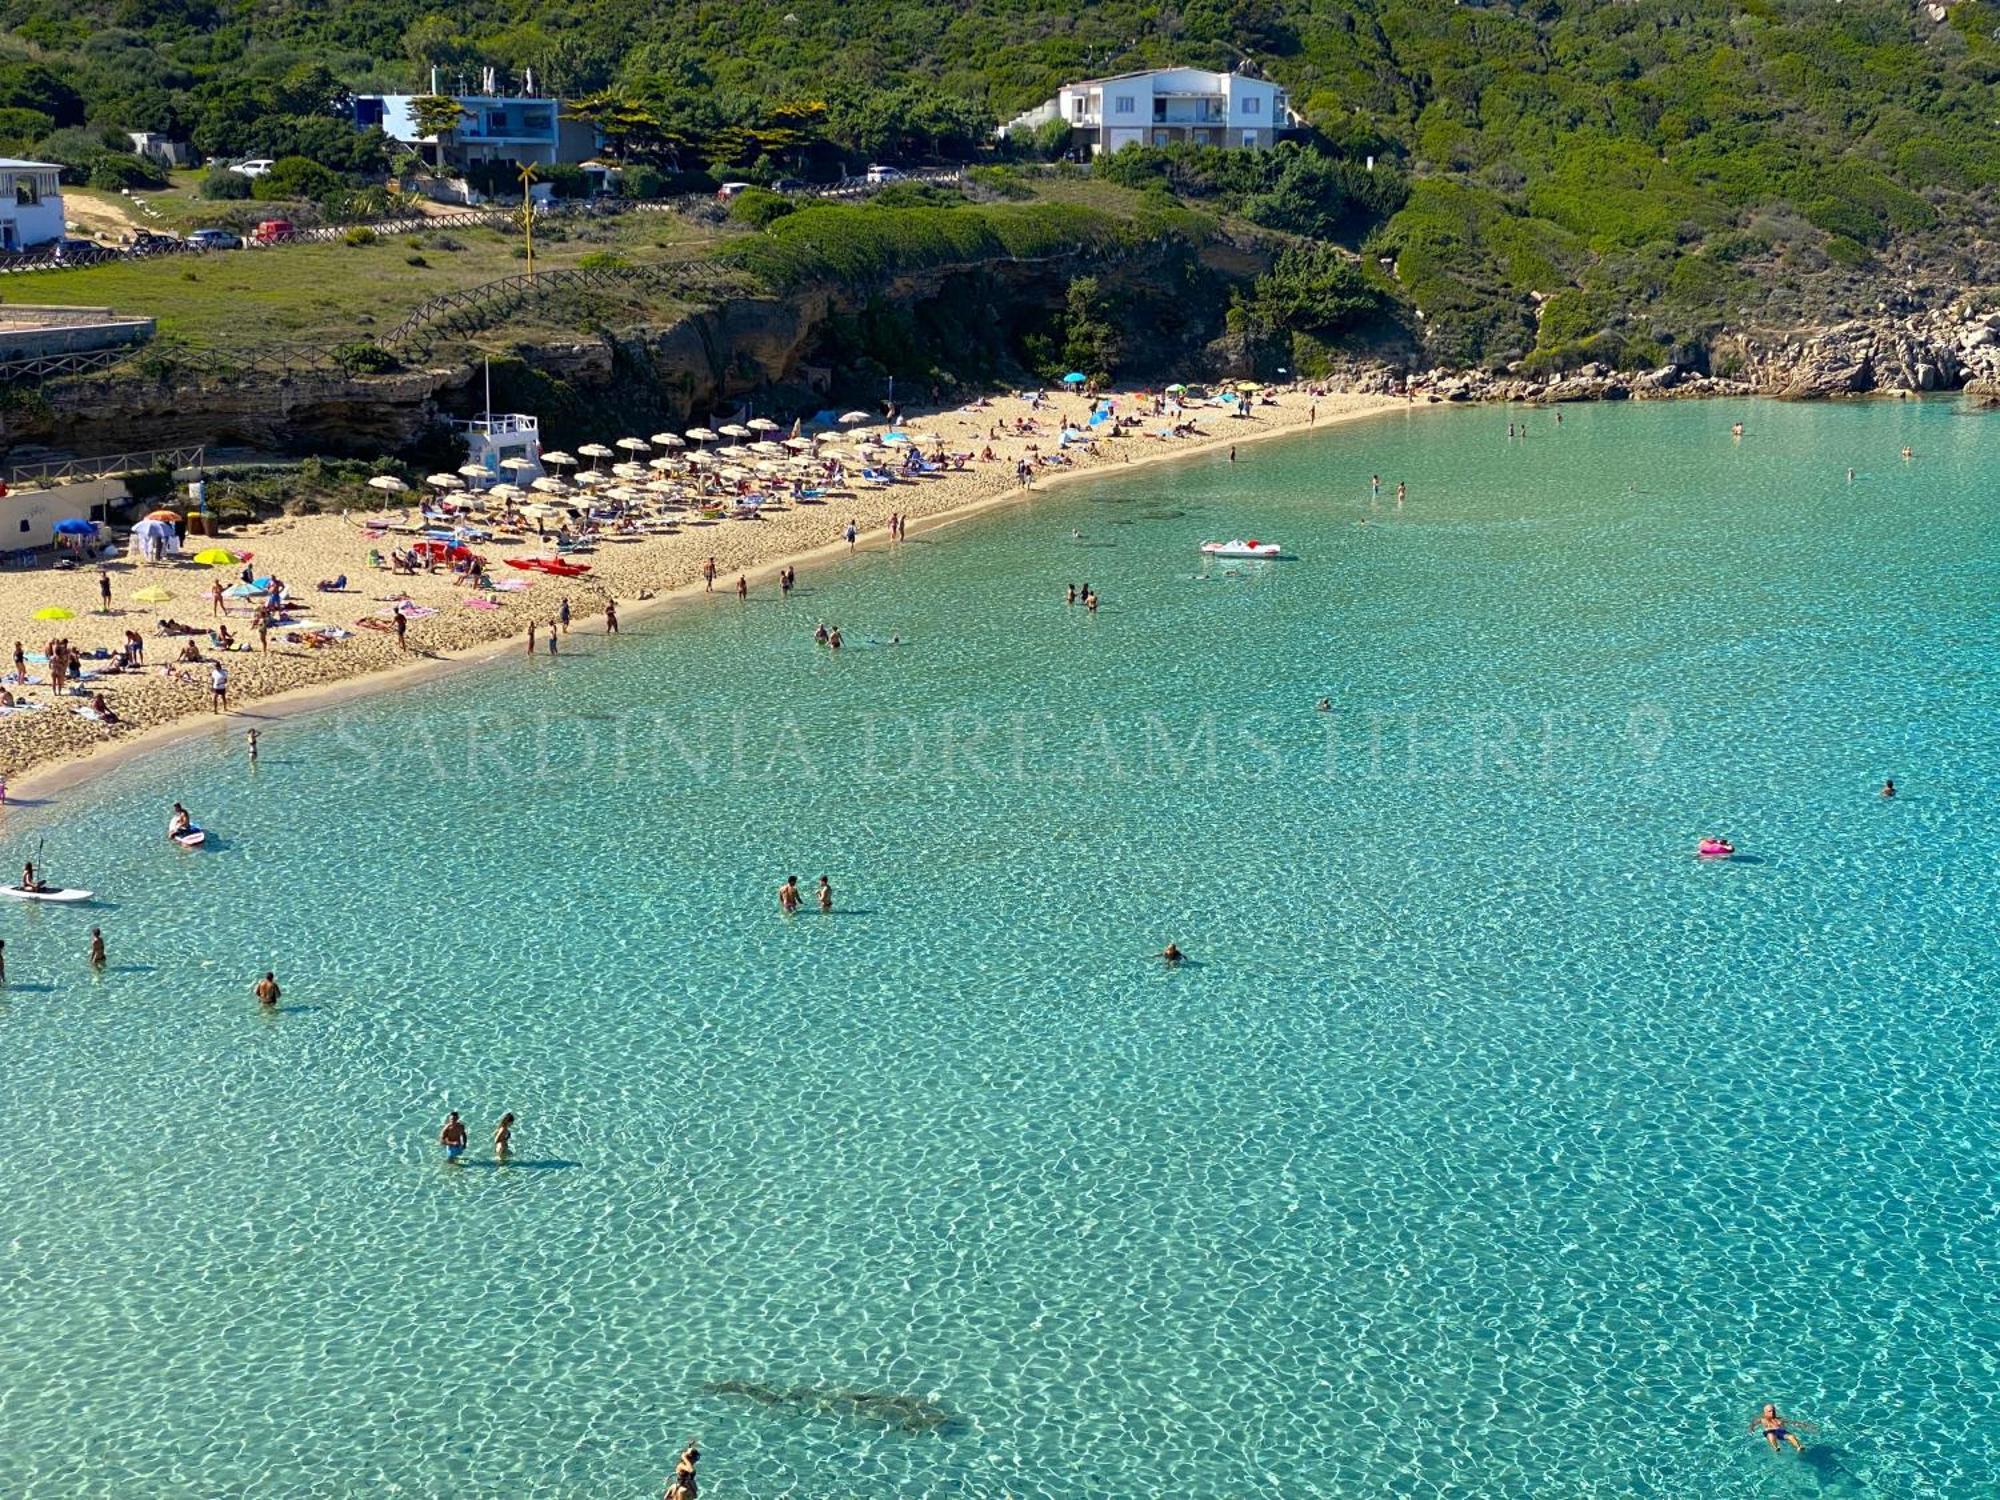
x,y
883,174
256,167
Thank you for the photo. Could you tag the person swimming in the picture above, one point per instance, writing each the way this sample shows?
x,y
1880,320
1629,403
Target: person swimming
x,y
1889,788
266,990
1324,706
1776,1429
1172,954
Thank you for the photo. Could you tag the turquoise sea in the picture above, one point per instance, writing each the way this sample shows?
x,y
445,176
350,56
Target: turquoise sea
x,y
1490,1145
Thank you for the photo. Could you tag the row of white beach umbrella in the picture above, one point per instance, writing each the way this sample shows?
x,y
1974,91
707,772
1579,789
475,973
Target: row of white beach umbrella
x,y
793,448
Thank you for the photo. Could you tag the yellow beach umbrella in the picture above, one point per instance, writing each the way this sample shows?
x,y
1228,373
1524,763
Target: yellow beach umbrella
x,y
217,557
152,595
55,612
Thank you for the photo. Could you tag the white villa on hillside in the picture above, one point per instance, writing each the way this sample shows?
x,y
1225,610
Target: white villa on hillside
x,y
31,208
1167,107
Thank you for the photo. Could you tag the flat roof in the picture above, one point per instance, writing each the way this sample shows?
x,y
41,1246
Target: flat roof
x,y
9,163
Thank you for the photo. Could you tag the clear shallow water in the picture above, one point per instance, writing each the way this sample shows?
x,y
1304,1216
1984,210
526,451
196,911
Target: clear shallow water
x,y
1492,1146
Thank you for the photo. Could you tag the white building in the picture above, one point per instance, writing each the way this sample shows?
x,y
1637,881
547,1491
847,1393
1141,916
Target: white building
x,y
1167,107
507,445
31,208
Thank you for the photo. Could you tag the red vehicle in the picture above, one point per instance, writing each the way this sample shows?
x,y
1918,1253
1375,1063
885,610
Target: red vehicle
x,y
272,232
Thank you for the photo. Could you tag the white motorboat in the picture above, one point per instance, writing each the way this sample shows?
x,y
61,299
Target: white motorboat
x,y
1241,548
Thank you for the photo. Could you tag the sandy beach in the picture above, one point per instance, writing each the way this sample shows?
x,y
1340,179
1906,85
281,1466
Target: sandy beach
x,y
60,746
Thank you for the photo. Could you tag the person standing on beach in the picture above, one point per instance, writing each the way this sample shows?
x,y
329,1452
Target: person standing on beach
x,y
851,533
825,896
266,990
552,637
402,632
785,577
215,597
611,617
708,576
264,630
104,591
788,895
742,588
452,1137
20,663
531,637
97,949
562,614
218,688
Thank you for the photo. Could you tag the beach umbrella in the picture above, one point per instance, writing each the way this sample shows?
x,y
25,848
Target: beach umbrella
x,y
664,462
734,429
634,444
594,450
55,612
669,440
849,418
217,557
76,526
798,445
387,482
549,485
701,435
761,424
517,463
1176,388
153,594
171,517
556,456
1075,377
629,471
507,492
472,471
444,481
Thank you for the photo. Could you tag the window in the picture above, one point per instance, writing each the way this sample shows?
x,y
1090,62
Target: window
x,y
1249,137
1252,105
27,192
1124,105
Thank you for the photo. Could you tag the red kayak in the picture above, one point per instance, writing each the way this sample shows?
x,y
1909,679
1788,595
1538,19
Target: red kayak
x,y
554,565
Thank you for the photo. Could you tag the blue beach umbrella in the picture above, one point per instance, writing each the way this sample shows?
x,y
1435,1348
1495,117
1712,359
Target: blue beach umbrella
x,y
75,526
1075,377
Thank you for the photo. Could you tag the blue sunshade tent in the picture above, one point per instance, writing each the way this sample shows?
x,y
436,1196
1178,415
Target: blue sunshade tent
x,y
76,526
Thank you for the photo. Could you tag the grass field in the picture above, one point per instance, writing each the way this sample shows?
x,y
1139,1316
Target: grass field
x,y
336,293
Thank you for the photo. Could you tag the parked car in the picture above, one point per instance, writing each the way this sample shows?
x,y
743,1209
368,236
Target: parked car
x,y
215,239
256,167
883,174
730,189
790,185
152,239
272,232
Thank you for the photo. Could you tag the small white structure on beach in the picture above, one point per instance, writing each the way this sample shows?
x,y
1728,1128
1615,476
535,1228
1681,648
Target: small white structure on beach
x,y
31,207
501,443
1166,107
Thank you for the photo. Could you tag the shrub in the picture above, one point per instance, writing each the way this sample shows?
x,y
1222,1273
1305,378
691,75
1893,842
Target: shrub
x,y
220,184
364,358
1002,182
415,260
295,177
642,182
360,234
760,207
603,260
112,173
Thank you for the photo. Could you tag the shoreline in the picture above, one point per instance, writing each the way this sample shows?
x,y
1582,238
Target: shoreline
x,y
63,769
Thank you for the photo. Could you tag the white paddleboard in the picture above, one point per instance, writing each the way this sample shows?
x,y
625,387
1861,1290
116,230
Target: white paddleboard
x,y
194,838
54,893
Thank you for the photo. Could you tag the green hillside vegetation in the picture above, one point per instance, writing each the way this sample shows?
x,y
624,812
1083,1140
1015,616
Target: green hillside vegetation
x,y
1556,180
